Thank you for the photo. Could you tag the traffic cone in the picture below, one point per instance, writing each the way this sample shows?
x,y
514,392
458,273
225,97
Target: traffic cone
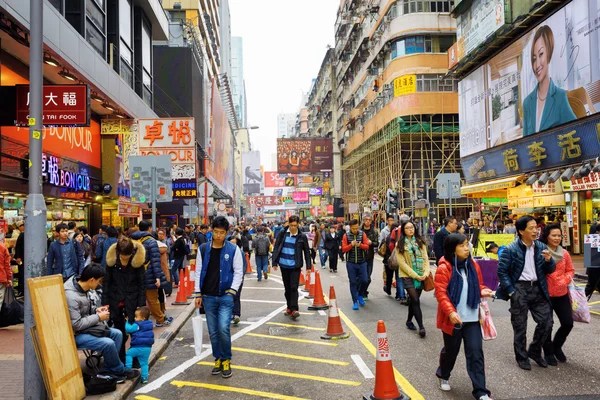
x,y
301,281
190,286
249,267
385,383
311,292
319,301
307,281
181,299
334,323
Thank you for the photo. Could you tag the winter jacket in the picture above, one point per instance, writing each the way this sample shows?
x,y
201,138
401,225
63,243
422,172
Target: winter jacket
x,y
125,284
231,268
356,255
152,264
561,277
103,247
180,249
246,239
6,273
54,260
438,243
164,259
301,253
142,334
405,262
373,236
201,238
81,312
20,247
333,243
445,306
512,262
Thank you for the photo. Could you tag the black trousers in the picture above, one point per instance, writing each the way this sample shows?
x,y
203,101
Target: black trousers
x,y
333,259
470,333
290,279
237,304
119,318
562,308
389,278
593,282
529,298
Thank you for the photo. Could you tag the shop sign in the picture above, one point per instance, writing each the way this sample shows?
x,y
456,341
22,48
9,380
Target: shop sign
x,y
128,209
475,215
59,177
64,194
274,180
315,191
521,203
549,201
564,230
405,84
315,201
13,203
575,211
300,197
453,56
185,189
590,182
547,189
62,105
260,201
330,209
476,24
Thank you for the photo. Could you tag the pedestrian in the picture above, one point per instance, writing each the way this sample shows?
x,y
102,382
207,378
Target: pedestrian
x,y
20,257
104,243
180,252
458,290
522,271
236,316
218,279
323,253
261,245
97,240
85,247
316,240
201,237
495,249
277,230
124,285
413,262
6,274
356,244
373,240
558,283
65,257
341,233
333,245
71,228
290,253
439,237
155,279
142,339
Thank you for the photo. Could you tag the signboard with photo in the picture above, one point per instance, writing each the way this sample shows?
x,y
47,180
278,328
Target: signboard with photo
x,y
251,176
480,21
304,155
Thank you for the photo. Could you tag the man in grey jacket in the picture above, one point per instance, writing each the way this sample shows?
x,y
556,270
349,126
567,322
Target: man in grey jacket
x,y
89,322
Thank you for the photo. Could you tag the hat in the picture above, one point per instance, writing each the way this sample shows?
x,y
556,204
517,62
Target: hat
x,y
20,223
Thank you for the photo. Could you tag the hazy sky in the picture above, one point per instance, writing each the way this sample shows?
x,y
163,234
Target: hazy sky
x,y
284,44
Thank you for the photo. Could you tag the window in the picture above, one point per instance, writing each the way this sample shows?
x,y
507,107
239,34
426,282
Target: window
x,y
421,44
125,42
446,42
177,16
432,83
147,64
95,25
95,38
417,6
95,13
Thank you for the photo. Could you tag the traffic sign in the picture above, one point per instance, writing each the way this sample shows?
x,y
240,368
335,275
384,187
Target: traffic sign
x,y
374,197
141,179
374,205
448,186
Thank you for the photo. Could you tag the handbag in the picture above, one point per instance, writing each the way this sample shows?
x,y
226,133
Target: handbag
x,y
197,326
98,330
99,384
488,329
579,305
12,311
382,251
428,284
393,262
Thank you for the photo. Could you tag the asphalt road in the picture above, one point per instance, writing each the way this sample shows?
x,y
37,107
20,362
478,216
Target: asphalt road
x,y
271,360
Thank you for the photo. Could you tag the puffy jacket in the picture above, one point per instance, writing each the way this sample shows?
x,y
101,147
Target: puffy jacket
x,y
152,263
357,255
438,243
5,268
373,236
164,259
512,262
125,283
301,253
231,268
81,312
103,248
561,277
445,306
141,333
55,263
405,263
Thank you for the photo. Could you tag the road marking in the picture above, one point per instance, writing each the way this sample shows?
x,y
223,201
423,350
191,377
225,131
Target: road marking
x,y
591,303
263,288
290,356
144,397
288,374
595,312
260,335
244,323
310,328
362,367
322,313
262,301
267,395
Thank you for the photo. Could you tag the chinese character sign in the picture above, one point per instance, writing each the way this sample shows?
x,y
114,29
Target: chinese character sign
x,y
304,155
62,105
406,84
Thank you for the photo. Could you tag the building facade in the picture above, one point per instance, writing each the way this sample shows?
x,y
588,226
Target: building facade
x,y
285,125
238,82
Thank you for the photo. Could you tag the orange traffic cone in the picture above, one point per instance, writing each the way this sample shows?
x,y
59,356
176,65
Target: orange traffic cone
x,y
311,292
385,383
249,267
307,281
181,299
301,281
190,286
318,301
334,323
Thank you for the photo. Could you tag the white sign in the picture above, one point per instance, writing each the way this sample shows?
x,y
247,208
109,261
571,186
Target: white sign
x,y
375,205
252,178
353,208
473,27
475,214
566,239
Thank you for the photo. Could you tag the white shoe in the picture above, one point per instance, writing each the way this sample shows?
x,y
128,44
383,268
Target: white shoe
x,y
485,397
445,385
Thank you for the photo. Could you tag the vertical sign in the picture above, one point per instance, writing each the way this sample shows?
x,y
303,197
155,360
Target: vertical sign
x,y
575,211
564,230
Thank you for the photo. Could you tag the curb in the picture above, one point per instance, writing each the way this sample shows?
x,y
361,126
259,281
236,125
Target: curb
x,y
160,345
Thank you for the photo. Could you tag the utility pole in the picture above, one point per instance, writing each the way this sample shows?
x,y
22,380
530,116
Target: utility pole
x,y
35,208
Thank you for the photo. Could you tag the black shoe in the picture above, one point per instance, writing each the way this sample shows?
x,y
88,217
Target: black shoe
x,y
226,369
217,368
560,356
387,291
551,360
132,373
411,326
119,378
422,332
525,364
540,361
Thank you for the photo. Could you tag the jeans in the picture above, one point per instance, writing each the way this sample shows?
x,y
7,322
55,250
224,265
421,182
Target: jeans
x,y
357,275
218,317
323,255
262,264
108,346
389,277
290,278
142,354
237,304
562,307
174,273
470,333
365,292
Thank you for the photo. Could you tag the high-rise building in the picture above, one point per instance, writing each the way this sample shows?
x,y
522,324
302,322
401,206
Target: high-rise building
x,y
237,80
285,125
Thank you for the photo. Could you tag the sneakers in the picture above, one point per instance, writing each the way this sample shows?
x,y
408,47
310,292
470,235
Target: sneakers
x,y
361,301
366,298
166,322
485,397
236,319
444,385
551,360
217,368
145,380
265,275
355,306
411,326
128,374
422,332
226,369
287,312
387,291
295,314
335,271
525,364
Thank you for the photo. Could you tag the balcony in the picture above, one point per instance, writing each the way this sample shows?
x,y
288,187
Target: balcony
x,y
157,16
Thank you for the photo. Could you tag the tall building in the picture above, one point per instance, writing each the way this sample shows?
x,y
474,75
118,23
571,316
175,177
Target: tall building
x,y
321,102
238,82
285,125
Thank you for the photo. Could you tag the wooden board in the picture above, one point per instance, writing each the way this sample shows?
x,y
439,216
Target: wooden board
x,y
59,360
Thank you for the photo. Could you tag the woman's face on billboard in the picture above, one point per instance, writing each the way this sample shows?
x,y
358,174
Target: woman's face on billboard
x,y
540,59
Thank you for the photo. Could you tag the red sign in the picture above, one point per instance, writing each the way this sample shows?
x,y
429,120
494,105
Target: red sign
x,y
3,230
261,201
62,105
128,209
300,197
590,182
274,180
330,209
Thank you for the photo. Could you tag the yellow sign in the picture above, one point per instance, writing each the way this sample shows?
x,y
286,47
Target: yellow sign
x,y
405,84
486,239
315,201
36,135
31,121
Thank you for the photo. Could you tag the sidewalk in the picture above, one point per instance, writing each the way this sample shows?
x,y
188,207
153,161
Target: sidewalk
x,y
579,268
11,362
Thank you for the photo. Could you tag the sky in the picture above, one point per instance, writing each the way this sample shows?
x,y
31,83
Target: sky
x,y
284,43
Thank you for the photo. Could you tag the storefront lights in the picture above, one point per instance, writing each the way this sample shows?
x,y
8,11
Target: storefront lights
x,y
50,61
67,75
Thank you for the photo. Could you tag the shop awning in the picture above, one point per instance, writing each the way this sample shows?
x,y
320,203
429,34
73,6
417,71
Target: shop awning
x,y
485,187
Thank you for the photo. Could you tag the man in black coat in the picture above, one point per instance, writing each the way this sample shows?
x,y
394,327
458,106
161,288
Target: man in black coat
x,y
449,227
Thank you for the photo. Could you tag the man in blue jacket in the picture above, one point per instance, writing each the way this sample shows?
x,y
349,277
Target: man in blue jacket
x,y
65,257
449,227
217,282
522,271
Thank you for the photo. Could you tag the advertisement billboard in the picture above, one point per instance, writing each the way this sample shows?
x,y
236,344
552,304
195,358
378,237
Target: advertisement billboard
x,y
304,155
405,84
274,180
220,166
300,197
62,105
477,23
547,78
251,176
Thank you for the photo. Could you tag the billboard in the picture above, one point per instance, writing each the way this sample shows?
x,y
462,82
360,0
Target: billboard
x,y
405,84
547,78
300,197
481,20
274,180
62,105
220,167
304,155
251,176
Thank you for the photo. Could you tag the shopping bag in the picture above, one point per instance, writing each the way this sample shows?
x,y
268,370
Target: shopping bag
x,y
12,311
579,305
488,329
197,325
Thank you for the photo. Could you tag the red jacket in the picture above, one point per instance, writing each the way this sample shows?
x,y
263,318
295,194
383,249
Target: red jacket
x,y
561,277
5,268
445,306
346,247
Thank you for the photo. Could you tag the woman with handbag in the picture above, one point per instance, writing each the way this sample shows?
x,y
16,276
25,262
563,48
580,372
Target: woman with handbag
x,y
459,289
180,251
558,281
413,262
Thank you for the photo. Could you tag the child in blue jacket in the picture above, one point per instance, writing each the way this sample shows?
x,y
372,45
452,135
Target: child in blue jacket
x,y
142,339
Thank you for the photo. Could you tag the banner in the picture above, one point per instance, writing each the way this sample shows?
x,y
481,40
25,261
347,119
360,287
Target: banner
x,y
260,201
274,180
304,155
406,84
555,67
475,25
220,167
316,191
251,175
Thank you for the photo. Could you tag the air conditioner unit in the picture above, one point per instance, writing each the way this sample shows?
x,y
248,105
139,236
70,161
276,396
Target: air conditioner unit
x,y
387,86
343,146
387,19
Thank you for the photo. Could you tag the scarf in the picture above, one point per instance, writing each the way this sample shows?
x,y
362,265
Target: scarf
x,y
557,255
412,247
455,285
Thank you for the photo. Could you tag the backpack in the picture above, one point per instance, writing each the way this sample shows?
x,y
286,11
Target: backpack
x,y
141,241
262,245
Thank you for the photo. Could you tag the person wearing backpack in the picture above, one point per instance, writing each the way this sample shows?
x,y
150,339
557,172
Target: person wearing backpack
x,y
261,245
356,244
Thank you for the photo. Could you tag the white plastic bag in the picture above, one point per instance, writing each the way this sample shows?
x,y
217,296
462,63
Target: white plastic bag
x,y
197,325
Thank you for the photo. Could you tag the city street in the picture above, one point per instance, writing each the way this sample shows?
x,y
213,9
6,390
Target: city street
x,y
274,357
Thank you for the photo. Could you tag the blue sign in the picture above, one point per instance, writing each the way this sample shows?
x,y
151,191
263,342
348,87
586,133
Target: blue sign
x,y
123,191
553,149
107,188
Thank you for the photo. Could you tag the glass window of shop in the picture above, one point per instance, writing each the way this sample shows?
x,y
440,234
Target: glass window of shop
x,y
126,43
417,6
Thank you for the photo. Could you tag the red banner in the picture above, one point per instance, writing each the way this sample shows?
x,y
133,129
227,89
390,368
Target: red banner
x,y
274,180
62,105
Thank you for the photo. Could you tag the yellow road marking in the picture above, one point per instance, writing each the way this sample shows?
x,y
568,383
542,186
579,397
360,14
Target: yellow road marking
x,y
595,312
260,335
591,303
288,374
144,397
291,356
267,395
299,326
580,284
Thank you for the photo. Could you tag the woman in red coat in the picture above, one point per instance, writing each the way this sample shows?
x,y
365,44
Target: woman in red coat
x,y
458,289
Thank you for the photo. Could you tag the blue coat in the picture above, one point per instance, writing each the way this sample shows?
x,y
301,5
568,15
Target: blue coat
x,y
55,262
557,110
231,268
141,333
103,247
152,264
512,262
